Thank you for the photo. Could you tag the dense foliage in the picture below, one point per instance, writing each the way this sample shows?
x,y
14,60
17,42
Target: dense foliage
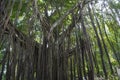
x,y
59,39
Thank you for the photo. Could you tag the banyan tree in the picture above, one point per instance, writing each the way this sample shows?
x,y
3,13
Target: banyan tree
x,y
59,39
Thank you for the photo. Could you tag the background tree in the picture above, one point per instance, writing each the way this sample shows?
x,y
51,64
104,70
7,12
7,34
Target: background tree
x,y
59,39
